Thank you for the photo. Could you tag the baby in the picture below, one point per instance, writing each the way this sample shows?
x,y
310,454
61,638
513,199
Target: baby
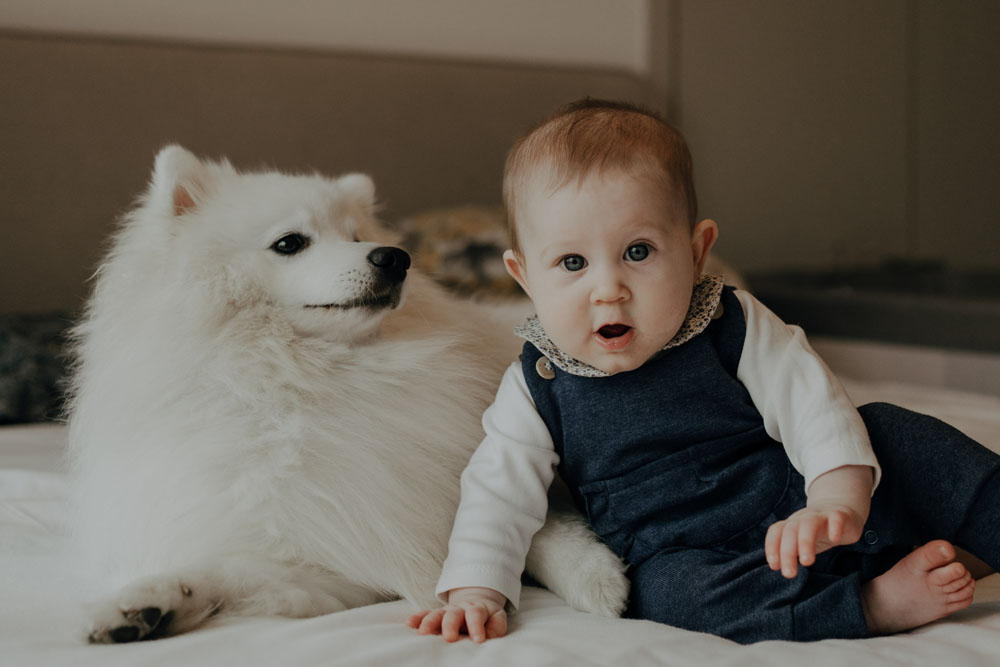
x,y
706,443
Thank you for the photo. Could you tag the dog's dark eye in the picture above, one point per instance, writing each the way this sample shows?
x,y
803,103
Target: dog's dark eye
x,y
289,244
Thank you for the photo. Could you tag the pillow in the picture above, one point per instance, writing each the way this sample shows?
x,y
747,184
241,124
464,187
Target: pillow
x,y
32,366
462,248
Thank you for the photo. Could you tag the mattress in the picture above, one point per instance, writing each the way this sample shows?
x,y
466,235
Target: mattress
x,y
42,604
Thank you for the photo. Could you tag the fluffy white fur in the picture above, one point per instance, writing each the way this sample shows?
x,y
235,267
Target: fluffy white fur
x,y
236,451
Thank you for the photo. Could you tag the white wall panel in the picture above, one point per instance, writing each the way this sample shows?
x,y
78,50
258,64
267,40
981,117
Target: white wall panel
x,y
609,33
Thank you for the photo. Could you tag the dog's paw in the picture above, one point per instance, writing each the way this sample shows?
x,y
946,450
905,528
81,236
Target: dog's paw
x,y
601,586
148,609
130,625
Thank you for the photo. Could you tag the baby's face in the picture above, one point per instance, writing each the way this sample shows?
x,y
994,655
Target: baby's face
x,y
608,266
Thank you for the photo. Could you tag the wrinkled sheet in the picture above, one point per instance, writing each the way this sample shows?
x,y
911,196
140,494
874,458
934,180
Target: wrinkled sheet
x,y
41,604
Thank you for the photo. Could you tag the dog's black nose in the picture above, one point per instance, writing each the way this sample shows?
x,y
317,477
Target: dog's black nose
x,y
392,262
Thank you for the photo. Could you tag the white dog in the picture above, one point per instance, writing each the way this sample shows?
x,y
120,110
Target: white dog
x,y
270,412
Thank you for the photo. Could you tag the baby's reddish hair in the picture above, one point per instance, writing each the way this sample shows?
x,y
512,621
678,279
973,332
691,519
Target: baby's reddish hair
x,y
592,135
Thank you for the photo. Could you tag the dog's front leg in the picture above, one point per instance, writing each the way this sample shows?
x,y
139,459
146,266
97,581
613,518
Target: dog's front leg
x,y
157,607
171,604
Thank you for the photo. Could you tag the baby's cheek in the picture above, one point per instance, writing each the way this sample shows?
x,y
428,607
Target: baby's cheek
x,y
558,322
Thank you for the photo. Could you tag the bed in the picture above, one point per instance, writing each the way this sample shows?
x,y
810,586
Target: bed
x,y
332,113
41,622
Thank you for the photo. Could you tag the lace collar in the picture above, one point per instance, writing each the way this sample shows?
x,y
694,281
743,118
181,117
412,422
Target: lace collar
x,y
705,306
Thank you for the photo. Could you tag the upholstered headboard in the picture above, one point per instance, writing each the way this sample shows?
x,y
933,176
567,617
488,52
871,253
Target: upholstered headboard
x,y
81,119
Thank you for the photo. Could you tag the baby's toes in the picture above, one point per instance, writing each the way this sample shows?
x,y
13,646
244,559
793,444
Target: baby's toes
x,y
954,584
932,556
958,584
945,576
961,598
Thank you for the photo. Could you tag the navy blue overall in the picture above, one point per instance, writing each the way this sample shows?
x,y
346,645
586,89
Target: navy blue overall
x,y
672,466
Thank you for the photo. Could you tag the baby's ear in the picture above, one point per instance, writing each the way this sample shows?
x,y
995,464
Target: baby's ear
x,y
179,180
514,263
360,188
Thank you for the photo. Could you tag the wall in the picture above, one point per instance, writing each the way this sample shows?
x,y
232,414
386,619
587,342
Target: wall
x,y
956,152
839,133
825,134
610,33
82,118
431,117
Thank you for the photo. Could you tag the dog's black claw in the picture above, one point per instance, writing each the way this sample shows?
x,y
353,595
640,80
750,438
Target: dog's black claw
x,y
125,634
162,627
151,616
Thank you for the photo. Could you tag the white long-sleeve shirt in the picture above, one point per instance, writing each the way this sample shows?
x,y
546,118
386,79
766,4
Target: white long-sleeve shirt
x,y
505,485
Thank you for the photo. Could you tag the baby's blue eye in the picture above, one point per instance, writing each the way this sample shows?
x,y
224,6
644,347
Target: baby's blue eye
x,y
637,252
573,262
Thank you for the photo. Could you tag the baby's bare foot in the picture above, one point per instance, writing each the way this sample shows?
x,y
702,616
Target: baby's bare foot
x,y
926,585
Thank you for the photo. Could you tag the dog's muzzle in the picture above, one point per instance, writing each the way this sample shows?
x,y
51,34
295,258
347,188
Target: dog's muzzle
x,y
391,263
390,266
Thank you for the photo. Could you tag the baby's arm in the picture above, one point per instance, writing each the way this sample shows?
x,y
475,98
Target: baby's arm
x,y
478,611
503,504
835,512
805,408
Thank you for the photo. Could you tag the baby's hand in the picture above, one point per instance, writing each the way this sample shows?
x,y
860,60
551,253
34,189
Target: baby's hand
x,y
810,531
478,611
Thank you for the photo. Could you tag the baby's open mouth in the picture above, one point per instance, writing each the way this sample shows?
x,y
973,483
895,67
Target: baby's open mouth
x,y
613,330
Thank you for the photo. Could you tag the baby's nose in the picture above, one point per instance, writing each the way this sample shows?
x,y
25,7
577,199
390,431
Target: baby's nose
x,y
609,288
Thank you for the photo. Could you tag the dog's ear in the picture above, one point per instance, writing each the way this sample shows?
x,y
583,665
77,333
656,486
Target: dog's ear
x,y
178,181
360,188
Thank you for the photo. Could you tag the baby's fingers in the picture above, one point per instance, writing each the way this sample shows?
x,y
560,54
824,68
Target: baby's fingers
x,y
497,625
789,551
414,620
835,527
772,544
475,623
808,534
430,624
451,624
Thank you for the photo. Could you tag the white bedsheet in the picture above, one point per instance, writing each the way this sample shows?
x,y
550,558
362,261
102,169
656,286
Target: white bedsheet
x,y
41,621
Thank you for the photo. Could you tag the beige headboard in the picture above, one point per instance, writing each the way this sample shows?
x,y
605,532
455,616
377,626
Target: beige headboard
x,y
81,119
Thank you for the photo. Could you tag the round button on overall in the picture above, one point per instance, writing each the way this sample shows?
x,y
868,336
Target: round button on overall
x,y
544,369
871,537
